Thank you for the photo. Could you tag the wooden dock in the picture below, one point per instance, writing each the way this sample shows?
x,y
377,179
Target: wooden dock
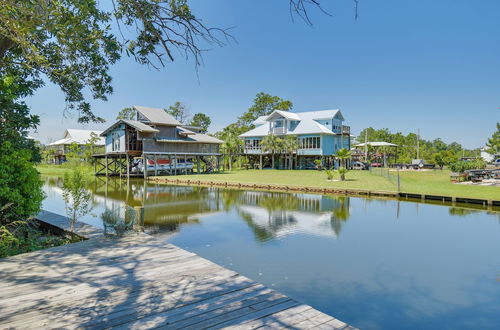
x,y
139,282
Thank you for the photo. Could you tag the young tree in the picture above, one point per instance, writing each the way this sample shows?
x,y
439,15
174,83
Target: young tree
x,y
179,111
126,114
201,120
77,198
90,146
271,144
290,145
231,145
493,144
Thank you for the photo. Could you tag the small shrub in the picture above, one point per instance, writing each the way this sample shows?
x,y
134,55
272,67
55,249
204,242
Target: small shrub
x,y
330,174
342,172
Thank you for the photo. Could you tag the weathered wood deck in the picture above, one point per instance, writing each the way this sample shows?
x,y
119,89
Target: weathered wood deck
x,y
139,282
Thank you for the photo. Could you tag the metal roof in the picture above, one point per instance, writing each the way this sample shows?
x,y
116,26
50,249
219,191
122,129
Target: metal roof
x,y
78,136
377,144
194,138
141,127
307,122
157,116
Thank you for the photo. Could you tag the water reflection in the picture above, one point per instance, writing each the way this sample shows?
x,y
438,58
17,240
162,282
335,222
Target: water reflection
x,y
376,264
134,204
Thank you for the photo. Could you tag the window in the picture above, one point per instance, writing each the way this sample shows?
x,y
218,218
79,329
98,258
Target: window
x,y
115,141
252,144
278,124
313,142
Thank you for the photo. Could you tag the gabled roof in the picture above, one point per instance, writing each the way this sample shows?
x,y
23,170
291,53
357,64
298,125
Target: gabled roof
x,y
307,122
141,127
79,136
157,116
285,114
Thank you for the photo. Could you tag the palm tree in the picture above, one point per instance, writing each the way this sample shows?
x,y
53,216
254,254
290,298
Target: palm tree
x,y
343,154
231,146
290,144
271,143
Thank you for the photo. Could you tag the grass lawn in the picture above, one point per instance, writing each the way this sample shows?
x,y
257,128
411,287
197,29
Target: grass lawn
x,y
60,170
303,178
437,182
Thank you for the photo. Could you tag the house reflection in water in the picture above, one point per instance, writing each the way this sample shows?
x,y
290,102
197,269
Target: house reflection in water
x,y
161,209
275,215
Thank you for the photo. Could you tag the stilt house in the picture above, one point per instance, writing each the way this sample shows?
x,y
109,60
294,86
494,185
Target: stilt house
x,y
155,142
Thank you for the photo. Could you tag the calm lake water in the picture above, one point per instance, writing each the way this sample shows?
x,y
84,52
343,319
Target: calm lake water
x,y
375,264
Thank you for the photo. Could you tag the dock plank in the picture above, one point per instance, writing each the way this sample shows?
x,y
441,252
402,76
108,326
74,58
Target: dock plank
x,y
138,282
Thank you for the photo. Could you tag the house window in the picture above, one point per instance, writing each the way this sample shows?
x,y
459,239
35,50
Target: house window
x,y
252,144
312,142
278,124
115,141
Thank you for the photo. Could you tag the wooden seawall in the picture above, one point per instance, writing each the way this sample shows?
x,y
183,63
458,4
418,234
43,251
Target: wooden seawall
x,y
138,282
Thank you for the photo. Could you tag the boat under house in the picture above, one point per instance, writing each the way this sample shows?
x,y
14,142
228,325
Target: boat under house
x,y
155,143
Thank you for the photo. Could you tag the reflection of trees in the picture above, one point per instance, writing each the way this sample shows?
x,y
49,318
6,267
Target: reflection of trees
x,y
340,214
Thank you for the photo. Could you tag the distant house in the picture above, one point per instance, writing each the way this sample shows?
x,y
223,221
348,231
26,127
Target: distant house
x,y
80,137
160,141
320,133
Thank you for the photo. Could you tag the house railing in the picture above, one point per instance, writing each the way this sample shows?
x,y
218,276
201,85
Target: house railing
x,y
279,130
346,129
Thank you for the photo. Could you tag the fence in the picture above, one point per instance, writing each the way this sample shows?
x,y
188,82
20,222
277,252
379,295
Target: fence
x,y
390,174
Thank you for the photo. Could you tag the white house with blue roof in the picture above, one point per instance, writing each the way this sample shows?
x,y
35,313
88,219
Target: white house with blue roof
x,y
320,133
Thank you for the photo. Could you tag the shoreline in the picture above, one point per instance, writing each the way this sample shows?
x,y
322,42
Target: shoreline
x,y
476,203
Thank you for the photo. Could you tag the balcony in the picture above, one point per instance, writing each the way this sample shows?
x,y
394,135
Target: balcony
x,y
346,129
279,130
252,151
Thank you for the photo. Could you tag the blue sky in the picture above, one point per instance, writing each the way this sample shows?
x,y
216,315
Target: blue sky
x,y
402,65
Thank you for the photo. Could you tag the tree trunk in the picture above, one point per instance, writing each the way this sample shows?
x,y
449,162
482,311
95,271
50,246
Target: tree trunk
x,y
272,160
230,162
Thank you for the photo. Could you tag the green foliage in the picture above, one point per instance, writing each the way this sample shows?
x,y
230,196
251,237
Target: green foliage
x,y
290,145
77,198
271,144
263,105
201,120
26,236
319,164
407,150
126,114
72,43
342,171
20,184
330,174
462,166
493,144
179,111
15,117
343,154
91,147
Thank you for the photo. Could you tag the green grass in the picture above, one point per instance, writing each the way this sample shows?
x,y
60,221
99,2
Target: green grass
x,y
306,178
435,182
60,170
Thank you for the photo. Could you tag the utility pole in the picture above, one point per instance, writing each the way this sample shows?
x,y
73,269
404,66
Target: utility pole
x,y
418,143
366,145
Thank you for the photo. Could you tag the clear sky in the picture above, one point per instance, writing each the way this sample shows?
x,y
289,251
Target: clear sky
x,y
402,65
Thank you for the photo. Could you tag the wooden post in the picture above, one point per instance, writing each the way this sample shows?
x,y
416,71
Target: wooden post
x,y
156,164
260,162
106,157
128,165
175,165
145,166
121,167
197,164
185,164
